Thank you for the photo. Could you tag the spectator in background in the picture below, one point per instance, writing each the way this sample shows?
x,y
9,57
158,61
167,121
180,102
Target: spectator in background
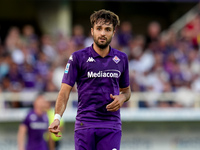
x,y
13,45
191,31
136,46
33,49
57,74
125,34
142,60
12,39
78,36
140,63
48,48
6,85
50,86
30,43
88,40
157,76
42,66
33,127
196,84
29,76
15,77
5,61
28,34
173,69
61,44
153,33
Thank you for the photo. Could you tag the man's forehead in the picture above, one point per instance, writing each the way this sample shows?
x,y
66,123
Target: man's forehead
x,y
101,22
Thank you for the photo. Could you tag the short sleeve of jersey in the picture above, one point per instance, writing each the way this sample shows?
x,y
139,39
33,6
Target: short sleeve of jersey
x,y
71,71
124,78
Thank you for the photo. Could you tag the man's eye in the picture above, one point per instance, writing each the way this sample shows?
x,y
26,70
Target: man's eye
x,y
98,28
107,29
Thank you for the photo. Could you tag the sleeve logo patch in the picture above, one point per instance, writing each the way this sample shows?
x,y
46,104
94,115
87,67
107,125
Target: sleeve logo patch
x,y
71,58
67,68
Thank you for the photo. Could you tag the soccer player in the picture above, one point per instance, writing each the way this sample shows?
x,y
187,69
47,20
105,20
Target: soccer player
x,y
31,130
102,77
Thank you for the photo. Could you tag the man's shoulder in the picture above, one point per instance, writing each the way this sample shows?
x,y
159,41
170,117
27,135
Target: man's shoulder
x,y
81,52
30,112
80,55
30,115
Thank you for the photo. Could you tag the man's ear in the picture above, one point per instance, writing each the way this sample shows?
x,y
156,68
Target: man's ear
x,y
92,31
113,33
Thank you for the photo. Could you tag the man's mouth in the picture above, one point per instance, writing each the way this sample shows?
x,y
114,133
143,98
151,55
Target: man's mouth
x,y
102,39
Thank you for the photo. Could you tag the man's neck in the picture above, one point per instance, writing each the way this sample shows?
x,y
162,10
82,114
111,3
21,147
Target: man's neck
x,y
38,112
102,52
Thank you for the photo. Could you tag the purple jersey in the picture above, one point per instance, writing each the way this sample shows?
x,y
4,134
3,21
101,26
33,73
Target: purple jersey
x,y
97,78
36,127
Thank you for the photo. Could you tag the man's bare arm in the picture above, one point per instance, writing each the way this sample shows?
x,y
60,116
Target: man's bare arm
x,y
126,92
21,136
62,99
118,100
60,107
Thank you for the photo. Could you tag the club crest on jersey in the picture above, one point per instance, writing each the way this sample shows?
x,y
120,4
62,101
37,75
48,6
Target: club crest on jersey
x,y
67,68
116,59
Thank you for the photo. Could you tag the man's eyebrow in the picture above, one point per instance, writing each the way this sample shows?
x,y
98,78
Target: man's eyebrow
x,y
102,25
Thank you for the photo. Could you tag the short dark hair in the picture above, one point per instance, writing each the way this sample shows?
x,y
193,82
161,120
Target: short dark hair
x,y
107,16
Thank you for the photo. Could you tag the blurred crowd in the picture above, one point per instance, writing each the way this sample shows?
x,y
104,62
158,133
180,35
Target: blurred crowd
x,y
159,61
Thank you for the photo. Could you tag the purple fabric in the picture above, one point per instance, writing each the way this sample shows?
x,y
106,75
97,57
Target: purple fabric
x,y
42,68
36,127
124,38
79,40
96,79
29,76
29,79
14,76
98,139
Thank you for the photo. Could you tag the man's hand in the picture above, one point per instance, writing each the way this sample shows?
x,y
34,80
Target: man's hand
x,y
54,127
118,101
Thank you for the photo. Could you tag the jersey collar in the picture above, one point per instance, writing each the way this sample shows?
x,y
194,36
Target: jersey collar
x,y
95,54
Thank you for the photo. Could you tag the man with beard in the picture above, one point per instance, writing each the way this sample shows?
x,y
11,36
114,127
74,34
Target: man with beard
x,y
102,77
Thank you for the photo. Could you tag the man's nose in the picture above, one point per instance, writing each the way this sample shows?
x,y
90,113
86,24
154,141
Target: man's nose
x,y
103,32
